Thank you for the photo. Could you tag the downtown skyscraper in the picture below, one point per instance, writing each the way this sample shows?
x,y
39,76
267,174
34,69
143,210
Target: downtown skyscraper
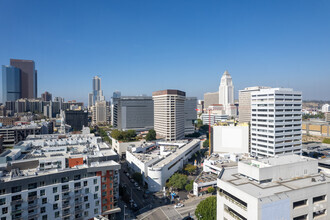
x,y
97,94
19,80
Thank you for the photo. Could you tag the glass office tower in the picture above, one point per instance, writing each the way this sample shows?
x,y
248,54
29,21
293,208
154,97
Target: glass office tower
x,y
11,83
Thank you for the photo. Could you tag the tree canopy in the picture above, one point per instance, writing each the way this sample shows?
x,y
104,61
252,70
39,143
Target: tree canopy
x,y
178,181
189,186
206,143
151,135
190,168
207,209
128,135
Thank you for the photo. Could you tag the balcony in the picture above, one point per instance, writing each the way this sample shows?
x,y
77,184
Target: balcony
x,y
66,206
15,212
65,190
33,215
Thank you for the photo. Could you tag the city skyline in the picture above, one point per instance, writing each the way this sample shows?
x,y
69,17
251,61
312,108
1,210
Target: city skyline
x,y
133,45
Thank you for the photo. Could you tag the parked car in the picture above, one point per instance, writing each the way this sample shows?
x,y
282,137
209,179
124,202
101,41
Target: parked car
x,y
132,180
136,184
139,188
179,205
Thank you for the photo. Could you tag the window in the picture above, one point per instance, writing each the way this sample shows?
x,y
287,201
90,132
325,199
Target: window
x,y
96,188
302,217
96,211
55,206
56,197
319,199
42,192
76,177
54,189
85,198
16,189
95,196
319,213
95,181
17,197
65,179
55,181
4,210
32,186
2,201
57,214
85,183
44,200
2,191
44,217
42,183
87,206
97,203
299,203
86,190
104,194
42,209
86,213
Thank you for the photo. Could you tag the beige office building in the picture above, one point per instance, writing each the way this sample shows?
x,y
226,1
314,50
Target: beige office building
x,y
211,98
169,118
101,112
244,97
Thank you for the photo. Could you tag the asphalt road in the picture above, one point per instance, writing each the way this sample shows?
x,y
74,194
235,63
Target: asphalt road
x,y
169,212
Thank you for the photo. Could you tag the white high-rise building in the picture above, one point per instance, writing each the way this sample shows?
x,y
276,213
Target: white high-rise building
x,y
169,118
276,122
226,94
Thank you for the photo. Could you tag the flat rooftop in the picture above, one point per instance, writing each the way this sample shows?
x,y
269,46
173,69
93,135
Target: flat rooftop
x,y
175,154
206,177
261,190
276,161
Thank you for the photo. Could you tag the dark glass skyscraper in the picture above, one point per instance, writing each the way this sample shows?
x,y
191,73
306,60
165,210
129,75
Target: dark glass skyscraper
x,y
11,83
28,77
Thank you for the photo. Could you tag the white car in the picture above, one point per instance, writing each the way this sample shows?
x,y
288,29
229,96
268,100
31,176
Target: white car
x,y
179,205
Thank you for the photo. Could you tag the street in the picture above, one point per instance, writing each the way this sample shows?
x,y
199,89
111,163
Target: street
x,y
169,212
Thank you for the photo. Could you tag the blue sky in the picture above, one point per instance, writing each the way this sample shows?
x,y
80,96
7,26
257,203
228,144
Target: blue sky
x,y
140,46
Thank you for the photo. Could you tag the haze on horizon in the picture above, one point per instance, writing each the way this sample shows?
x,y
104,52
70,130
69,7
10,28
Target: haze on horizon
x,y
138,47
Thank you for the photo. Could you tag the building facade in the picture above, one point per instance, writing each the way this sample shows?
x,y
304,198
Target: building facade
x,y
325,108
101,113
46,96
76,119
286,187
276,120
190,114
29,79
211,98
244,97
226,94
132,112
11,83
169,120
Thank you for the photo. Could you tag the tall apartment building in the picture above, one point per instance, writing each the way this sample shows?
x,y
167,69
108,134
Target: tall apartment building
x,y
69,181
132,112
11,83
29,79
276,120
190,114
244,97
169,120
226,94
101,113
284,187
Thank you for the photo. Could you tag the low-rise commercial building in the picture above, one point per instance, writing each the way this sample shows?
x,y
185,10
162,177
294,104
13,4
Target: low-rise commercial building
x,y
161,161
283,187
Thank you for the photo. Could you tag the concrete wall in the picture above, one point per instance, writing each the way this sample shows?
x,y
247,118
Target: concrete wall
x,y
231,139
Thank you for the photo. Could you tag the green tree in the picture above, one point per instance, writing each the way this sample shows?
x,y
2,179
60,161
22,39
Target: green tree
x,y
151,135
326,140
199,123
116,134
210,190
206,143
207,209
137,177
190,168
189,186
178,181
